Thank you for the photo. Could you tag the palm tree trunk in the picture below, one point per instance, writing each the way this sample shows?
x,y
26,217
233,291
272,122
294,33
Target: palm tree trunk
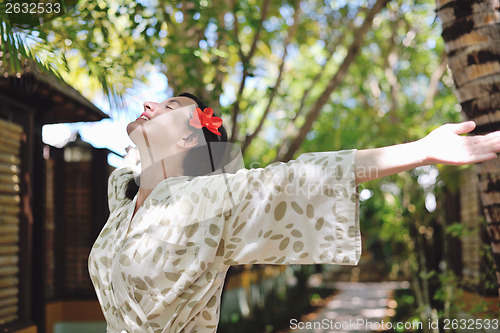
x,y
471,32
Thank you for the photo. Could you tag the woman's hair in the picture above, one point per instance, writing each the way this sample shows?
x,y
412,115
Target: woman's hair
x,y
201,159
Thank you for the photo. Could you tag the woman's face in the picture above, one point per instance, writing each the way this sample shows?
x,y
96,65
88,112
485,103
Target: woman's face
x,y
163,127
154,110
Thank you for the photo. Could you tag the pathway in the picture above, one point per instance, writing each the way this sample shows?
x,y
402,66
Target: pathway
x,y
354,307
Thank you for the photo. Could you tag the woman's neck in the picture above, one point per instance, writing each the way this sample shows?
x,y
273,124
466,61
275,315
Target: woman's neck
x,y
153,174
157,165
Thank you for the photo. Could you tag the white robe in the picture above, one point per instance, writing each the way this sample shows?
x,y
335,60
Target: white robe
x,y
166,273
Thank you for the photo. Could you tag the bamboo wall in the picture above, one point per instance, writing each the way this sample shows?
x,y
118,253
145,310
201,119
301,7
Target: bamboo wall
x,y
10,207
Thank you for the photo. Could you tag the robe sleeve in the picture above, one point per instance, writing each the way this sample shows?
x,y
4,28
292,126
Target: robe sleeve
x,y
305,211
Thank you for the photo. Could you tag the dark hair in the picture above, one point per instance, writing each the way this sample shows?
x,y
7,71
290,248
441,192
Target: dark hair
x,y
195,161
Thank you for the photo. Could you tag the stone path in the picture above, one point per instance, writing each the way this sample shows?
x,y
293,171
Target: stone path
x,y
355,307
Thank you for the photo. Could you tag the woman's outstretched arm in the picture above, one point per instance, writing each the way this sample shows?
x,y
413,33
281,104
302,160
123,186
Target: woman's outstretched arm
x,y
444,145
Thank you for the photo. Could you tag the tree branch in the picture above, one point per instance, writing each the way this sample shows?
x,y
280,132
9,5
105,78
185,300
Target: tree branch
x,y
290,130
291,33
246,63
335,81
236,30
331,49
433,84
390,63
219,60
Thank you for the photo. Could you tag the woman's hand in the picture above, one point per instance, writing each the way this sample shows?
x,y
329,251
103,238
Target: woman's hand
x,y
131,157
445,145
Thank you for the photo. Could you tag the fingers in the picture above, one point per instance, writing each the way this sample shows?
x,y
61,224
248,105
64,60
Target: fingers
x,y
491,139
493,135
483,157
484,145
464,127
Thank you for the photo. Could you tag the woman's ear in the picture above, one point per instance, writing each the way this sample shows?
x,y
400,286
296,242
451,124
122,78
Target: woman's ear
x,y
188,141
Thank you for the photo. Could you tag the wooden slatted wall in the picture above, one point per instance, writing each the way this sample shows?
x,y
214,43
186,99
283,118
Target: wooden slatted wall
x,y
10,145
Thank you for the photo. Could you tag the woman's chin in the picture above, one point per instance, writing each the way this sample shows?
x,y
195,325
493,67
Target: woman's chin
x,y
134,125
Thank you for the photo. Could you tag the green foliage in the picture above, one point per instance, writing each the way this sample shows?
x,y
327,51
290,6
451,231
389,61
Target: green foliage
x,y
207,46
488,277
460,230
15,46
291,301
396,90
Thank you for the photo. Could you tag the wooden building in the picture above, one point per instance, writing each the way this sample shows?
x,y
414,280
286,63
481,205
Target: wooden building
x,y
27,102
76,208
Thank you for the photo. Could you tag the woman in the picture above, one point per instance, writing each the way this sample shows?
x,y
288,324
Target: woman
x,y
159,263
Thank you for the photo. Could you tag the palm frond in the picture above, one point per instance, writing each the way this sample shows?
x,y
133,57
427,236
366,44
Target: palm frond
x,y
17,50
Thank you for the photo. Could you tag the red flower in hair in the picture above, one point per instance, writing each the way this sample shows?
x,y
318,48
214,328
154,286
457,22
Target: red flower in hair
x,y
205,119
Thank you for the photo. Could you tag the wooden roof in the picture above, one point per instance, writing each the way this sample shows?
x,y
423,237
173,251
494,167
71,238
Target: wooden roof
x,y
55,101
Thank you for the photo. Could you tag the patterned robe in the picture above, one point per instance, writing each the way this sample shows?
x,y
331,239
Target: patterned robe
x,y
163,270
